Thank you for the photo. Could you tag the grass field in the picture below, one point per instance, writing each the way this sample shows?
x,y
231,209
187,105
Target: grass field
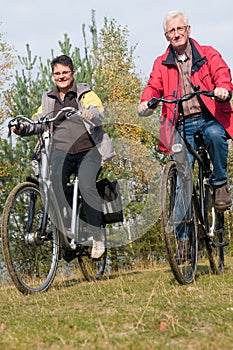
x,y
139,309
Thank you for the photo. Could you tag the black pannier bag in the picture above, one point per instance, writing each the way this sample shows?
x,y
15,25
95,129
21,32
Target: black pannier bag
x,y
112,204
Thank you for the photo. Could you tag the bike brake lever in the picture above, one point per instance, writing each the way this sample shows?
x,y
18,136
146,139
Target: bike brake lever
x,y
71,112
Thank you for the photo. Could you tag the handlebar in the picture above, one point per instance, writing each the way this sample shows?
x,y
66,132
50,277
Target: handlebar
x,y
69,112
154,101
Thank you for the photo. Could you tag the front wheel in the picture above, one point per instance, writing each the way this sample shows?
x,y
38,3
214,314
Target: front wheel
x,y
180,234
31,260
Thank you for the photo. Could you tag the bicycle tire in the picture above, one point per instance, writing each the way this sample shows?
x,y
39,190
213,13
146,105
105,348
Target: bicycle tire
x,y
214,242
31,263
92,270
182,257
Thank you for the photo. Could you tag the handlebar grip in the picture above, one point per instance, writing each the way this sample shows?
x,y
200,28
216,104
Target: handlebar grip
x,y
218,99
152,103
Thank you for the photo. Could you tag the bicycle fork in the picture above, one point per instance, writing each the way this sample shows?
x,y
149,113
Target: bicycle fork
x,y
37,236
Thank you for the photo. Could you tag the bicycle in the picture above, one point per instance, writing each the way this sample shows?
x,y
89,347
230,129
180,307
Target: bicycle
x,y
34,238
190,191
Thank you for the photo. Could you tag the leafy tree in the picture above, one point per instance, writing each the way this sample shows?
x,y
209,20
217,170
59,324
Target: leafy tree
x,y
115,60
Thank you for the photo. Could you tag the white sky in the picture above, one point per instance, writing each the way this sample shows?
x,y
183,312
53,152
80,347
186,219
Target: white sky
x,y
43,23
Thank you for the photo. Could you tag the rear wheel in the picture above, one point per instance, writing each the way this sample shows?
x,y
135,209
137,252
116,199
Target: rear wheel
x,y
92,270
31,260
180,236
214,241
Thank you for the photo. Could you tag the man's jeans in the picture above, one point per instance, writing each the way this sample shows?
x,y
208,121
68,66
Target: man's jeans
x,y
215,139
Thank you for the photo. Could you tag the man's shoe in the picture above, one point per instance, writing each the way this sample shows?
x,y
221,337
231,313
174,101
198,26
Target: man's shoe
x,y
98,247
222,198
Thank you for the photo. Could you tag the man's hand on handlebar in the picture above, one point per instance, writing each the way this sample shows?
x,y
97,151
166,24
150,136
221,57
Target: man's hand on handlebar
x,y
221,93
143,109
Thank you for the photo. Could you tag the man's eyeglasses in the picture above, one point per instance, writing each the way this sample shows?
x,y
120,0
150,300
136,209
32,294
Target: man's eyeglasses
x,y
179,30
66,72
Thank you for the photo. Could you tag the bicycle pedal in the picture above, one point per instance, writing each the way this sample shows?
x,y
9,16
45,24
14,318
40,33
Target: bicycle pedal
x,y
223,244
219,230
219,245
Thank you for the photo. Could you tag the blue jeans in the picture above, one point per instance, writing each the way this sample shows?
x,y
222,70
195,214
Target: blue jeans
x,y
215,139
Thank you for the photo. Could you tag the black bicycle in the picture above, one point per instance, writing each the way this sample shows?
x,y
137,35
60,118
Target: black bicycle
x,y
190,220
34,237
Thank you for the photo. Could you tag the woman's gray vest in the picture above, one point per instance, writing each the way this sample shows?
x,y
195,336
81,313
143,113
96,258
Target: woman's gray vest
x,y
98,135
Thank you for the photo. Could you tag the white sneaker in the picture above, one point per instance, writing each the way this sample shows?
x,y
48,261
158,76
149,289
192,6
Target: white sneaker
x,y
98,247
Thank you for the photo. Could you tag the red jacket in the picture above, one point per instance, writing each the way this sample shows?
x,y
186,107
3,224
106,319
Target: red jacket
x,y
208,71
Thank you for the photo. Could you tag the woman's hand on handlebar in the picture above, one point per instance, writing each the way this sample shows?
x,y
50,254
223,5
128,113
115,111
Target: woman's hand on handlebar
x,y
87,114
15,126
17,130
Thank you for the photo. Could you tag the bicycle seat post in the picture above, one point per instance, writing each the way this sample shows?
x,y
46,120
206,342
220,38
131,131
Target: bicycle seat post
x,y
74,212
44,157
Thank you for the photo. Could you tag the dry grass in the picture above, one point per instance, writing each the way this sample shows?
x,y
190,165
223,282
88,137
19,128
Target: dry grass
x,y
144,309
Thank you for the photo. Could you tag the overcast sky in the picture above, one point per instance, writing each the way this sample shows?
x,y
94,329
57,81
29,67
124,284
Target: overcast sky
x,y
43,23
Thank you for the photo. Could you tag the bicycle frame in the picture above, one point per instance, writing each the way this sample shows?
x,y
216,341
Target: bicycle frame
x,y
204,223
74,218
200,155
197,157
44,178
181,130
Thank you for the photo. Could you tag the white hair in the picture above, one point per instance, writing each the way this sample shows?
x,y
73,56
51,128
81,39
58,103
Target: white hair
x,y
172,14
